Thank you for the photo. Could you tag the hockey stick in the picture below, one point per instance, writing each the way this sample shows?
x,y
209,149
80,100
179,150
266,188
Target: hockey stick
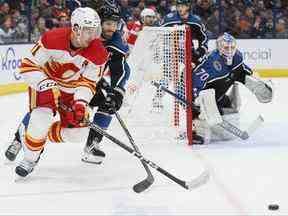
x,y
194,183
148,181
225,124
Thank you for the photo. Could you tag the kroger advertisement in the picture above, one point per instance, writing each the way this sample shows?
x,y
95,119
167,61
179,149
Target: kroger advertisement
x,y
10,59
259,54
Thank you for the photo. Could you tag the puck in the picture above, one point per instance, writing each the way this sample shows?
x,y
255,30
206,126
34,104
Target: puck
x,y
273,207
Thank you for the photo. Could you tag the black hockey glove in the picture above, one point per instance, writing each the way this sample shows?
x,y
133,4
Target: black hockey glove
x,y
197,55
113,101
113,98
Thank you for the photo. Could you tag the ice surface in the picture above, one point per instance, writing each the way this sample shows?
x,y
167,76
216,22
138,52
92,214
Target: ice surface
x,y
247,176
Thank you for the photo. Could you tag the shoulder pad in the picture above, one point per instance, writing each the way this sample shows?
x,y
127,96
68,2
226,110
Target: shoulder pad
x,y
56,39
238,58
194,19
96,52
171,18
118,43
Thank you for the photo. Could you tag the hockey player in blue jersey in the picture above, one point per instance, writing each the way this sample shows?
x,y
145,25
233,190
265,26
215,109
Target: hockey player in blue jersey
x,y
182,16
120,72
216,83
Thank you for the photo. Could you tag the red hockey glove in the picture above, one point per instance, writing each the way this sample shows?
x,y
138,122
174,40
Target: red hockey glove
x,y
79,113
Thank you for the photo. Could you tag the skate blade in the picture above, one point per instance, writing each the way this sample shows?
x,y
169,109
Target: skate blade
x,y
91,162
8,162
20,179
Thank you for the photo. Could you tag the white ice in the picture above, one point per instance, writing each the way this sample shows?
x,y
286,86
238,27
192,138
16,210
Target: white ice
x,y
246,176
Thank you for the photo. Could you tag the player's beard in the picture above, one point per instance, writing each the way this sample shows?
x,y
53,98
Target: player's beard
x,y
107,34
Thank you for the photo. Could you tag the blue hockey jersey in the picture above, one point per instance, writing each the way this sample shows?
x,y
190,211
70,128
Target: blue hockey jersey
x,y
119,68
214,73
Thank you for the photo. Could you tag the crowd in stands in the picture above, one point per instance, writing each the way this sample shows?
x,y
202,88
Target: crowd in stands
x,y
242,18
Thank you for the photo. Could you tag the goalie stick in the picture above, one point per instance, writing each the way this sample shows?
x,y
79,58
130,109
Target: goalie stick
x,y
225,124
189,185
148,181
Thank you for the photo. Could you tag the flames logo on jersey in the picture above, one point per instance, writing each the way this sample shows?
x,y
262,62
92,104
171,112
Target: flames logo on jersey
x,y
61,71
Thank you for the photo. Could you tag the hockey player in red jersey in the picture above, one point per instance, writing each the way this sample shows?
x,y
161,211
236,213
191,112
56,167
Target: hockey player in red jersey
x,y
148,18
61,72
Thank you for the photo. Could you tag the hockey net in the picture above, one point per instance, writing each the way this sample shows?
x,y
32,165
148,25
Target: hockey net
x,y
163,55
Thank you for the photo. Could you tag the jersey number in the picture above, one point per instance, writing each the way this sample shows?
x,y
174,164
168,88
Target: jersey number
x,y
203,74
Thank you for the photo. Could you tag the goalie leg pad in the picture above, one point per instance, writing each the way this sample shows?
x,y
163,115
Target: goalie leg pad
x,y
216,133
208,107
235,99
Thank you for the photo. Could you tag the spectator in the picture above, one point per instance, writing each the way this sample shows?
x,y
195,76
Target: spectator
x,y
7,33
281,29
45,8
244,27
63,20
39,29
213,25
269,28
59,8
71,5
136,14
204,9
20,24
4,11
126,11
163,8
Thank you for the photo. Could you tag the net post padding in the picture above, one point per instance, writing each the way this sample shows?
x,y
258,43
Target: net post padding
x,y
188,71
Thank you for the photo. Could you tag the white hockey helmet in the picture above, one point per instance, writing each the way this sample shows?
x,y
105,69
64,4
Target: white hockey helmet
x,y
147,12
226,45
86,17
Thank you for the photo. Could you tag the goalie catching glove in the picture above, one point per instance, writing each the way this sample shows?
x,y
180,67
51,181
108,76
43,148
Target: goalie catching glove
x,y
262,90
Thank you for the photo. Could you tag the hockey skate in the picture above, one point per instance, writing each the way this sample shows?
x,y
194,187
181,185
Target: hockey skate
x,y
26,166
92,152
197,139
16,145
14,148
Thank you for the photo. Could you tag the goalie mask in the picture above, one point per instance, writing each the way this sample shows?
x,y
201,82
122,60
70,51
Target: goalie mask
x,y
86,25
226,45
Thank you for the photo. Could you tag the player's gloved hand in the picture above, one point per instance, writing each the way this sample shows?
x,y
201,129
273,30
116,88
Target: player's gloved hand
x,y
197,55
113,101
78,115
79,109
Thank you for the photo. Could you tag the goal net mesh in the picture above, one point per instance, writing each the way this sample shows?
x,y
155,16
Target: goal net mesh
x,y
162,55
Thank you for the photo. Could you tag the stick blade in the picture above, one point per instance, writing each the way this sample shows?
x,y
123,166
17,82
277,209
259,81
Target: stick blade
x,y
202,179
143,185
244,135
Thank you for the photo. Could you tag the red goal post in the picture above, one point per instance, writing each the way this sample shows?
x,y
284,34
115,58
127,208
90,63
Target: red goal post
x,y
163,54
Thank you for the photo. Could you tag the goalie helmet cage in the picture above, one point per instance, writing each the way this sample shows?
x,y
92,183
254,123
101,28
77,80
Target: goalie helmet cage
x,y
163,54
